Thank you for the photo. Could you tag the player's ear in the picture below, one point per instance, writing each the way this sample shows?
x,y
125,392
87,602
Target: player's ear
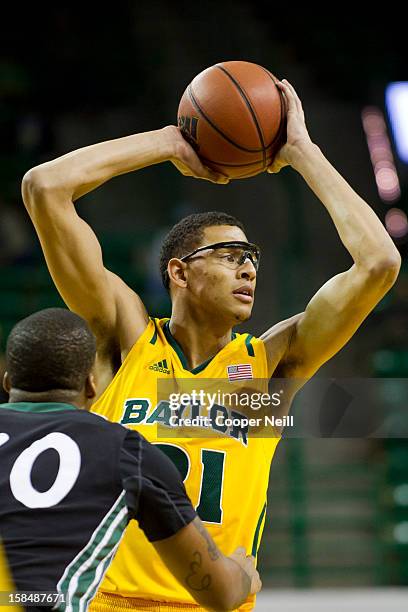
x,y
176,269
90,386
6,382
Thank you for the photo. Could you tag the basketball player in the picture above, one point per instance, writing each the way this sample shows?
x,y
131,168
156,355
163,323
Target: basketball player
x,y
6,584
210,269
70,481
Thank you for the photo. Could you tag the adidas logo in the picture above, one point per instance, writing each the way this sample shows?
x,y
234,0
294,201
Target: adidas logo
x,y
160,366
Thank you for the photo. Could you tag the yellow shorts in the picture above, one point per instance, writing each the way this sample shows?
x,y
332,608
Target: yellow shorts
x,y
108,601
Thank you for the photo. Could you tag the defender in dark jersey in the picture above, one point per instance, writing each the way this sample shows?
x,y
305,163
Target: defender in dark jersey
x,y
70,480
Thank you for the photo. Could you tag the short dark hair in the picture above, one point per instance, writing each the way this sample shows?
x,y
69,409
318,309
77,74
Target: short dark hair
x,y
187,235
51,349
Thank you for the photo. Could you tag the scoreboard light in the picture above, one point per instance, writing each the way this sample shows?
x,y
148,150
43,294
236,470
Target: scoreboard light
x,y
396,100
381,155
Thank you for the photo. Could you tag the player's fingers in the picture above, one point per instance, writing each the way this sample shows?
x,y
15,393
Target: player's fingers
x,y
275,167
256,584
247,562
239,552
185,170
206,174
295,96
193,167
293,103
288,95
216,177
210,175
189,164
250,565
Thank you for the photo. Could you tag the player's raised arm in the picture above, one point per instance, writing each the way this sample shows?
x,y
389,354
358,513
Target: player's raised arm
x,y
71,248
341,305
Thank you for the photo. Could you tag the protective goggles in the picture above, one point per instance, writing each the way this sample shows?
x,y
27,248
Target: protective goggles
x,y
232,253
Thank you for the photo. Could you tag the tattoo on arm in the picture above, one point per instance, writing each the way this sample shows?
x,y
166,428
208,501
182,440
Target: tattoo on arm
x,y
194,580
212,547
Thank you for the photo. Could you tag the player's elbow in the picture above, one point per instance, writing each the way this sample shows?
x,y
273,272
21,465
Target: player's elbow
x,y
385,270
38,187
33,187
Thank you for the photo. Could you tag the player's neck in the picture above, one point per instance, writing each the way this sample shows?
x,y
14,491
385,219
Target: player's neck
x,y
199,339
57,396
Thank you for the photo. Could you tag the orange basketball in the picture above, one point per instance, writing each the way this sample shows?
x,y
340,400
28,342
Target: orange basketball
x,y
234,116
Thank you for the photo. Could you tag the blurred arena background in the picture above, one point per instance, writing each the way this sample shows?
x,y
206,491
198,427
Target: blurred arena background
x,y
76,74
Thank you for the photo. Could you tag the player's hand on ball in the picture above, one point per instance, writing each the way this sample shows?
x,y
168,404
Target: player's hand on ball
x,y
297,134
247,563
187,161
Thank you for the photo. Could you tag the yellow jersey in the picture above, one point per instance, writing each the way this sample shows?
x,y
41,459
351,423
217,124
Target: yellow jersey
x,y
225,471
6,584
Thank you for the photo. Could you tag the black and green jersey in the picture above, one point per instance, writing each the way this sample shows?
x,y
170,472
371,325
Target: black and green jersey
x,y
69,483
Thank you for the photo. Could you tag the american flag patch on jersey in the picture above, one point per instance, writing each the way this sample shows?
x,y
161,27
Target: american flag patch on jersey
x,y
242,371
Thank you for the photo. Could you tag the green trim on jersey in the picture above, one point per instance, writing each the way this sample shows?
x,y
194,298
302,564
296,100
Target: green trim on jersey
x,y
201,367
249,346
173,342
154,337
257,530
83,575
38,406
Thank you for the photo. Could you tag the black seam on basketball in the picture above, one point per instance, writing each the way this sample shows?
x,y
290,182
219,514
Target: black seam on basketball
x,y
220,163
217,129
282,126
251,110
282,121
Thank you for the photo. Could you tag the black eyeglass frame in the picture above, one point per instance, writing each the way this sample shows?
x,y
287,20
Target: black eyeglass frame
x,y
247,254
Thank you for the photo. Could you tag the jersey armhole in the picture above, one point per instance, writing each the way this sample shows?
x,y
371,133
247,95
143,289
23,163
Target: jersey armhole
x,y
149,334
146,336
260,346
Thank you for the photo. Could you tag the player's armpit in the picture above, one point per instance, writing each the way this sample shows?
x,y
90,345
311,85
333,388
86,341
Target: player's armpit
x,y
333,315
74,259
277,341
215,581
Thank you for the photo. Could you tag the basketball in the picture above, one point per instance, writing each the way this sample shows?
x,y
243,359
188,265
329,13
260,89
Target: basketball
x,y
234,116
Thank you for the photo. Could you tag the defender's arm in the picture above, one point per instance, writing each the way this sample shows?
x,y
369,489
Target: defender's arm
x,y
217,582
157,499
